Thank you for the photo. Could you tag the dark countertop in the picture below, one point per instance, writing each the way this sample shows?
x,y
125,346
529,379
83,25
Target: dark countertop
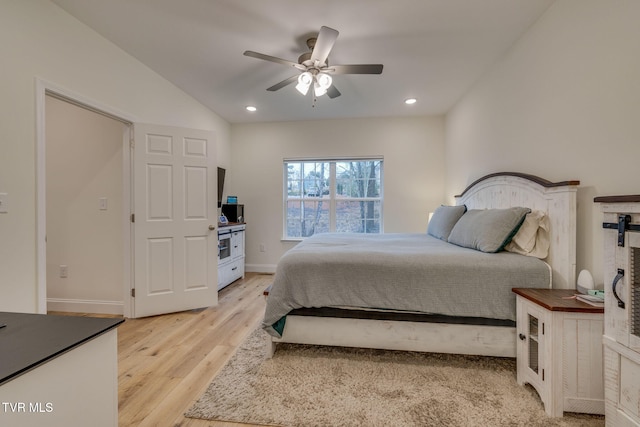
x,y
30,340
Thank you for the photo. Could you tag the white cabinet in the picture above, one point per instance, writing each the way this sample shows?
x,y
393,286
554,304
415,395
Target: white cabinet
x,y
230,254
58,371
621,220
559,350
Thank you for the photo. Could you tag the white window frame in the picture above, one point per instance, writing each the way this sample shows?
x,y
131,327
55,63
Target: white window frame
x,y
332,185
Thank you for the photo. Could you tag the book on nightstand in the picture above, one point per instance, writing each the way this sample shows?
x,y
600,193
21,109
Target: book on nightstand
x,y
591,299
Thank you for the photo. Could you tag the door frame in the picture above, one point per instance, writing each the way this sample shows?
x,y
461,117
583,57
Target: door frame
x,y
44,88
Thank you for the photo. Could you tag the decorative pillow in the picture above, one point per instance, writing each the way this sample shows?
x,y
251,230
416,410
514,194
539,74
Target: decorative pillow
x,y
487,230
532,239
443,220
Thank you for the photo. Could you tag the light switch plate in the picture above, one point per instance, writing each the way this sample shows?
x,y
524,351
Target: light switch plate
x,y
4,203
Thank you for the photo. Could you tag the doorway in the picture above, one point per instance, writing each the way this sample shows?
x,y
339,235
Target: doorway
x,y
173,231
83,165
84,205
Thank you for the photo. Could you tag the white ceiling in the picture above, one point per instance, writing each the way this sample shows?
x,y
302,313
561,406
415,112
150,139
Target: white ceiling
x,y
433,50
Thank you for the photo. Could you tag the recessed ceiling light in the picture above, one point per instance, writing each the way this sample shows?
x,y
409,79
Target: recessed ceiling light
x,y
410,101
251,108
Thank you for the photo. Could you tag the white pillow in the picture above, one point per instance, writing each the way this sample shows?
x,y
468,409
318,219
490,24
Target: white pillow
x,y
532,239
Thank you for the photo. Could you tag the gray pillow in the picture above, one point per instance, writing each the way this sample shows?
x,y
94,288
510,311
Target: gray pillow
x,y
443,220
487,230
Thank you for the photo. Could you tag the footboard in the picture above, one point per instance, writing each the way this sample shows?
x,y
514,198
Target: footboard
x,y
481,340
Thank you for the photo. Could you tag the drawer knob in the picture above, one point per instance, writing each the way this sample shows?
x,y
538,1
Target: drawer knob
x,y
522,337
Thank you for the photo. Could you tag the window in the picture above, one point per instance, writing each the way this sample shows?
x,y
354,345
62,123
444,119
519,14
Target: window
x,y
332,196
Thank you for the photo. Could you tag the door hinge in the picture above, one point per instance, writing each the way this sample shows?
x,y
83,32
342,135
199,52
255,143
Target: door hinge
x,y
623,225
133,217
543,329
133,292
543,375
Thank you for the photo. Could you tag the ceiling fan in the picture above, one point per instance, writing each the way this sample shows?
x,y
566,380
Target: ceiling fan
x,y
314,66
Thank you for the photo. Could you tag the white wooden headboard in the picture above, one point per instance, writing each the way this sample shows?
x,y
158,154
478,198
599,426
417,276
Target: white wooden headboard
x,y
557,199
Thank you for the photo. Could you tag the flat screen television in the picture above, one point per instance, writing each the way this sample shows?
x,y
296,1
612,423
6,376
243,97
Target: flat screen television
x,y
221,173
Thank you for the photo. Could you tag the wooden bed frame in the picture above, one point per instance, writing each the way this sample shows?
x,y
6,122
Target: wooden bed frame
x,y
499,190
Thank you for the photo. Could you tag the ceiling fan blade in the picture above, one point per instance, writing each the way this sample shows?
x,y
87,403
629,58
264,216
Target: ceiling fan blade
x,y
273,59
355,69
283,83
324,43
333,92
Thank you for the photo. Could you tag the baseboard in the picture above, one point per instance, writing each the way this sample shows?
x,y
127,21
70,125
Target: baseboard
x,y
260,268
85,306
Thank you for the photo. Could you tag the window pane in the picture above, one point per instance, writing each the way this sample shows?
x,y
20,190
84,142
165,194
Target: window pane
x,y
358,216
305,218
358,179
309,179
294,179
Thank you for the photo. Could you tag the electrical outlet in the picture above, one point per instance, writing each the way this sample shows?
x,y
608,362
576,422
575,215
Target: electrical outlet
x,y
64,271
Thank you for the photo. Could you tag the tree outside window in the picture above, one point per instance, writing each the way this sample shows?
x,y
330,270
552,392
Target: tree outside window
x,y
332,196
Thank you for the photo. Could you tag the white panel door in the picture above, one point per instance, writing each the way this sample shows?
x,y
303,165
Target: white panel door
x,y
175,238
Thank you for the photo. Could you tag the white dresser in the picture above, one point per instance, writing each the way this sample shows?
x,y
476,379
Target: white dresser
x,y
230,253
621,224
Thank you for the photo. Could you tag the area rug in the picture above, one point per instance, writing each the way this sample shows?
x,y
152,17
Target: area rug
x,y
306,386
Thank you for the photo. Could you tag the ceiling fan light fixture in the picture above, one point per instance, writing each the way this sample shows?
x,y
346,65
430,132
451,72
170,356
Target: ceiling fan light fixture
x,y
318,90
322,83
304,81
314,66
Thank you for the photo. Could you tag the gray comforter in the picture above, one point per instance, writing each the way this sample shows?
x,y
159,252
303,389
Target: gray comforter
x,y
407,272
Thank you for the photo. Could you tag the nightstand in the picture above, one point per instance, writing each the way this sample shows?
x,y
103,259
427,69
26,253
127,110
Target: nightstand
x,y
559,350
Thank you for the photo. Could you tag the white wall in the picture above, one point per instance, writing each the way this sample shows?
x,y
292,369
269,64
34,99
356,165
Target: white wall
x,y
413,150
564,103
84,162
40,40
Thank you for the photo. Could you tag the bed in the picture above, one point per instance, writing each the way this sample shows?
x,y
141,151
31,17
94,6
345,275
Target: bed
x,y
446,290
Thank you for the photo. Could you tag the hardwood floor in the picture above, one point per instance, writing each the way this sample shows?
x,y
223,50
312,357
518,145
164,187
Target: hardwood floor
x,y
166,362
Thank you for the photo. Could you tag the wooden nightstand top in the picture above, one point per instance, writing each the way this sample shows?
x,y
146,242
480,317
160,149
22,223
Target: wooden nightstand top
x,y
556,300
